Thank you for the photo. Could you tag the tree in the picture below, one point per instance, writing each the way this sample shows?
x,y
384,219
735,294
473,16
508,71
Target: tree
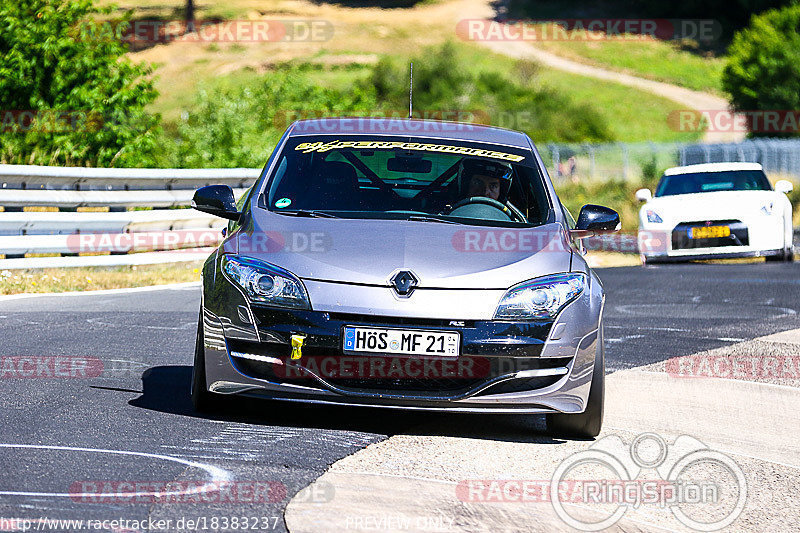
x,y
763,69
69,94
189,12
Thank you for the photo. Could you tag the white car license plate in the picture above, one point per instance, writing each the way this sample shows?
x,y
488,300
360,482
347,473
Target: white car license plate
x,y
401,341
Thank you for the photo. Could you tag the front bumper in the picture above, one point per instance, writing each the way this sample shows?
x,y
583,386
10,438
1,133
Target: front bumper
x,y
753,236
504,367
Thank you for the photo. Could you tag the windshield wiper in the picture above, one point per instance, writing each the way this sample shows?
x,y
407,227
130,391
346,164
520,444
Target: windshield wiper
x,y
306,213
420,218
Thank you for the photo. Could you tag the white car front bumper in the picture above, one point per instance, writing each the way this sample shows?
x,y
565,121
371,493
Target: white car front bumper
x,y
751,236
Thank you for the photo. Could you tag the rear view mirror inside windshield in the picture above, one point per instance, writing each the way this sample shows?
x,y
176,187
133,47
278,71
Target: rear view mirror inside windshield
x,y
413,165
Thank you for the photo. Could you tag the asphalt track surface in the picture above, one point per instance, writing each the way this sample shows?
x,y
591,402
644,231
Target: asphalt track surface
x,y
58,435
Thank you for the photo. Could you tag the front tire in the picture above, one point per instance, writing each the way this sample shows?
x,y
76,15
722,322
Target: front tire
x,y
585,425
202,400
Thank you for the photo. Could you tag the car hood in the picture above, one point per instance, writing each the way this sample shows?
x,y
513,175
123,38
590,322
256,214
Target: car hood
x,y
711,205
371,251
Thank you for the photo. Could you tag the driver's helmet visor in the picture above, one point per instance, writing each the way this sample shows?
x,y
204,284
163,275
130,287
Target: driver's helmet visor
x,y
471,168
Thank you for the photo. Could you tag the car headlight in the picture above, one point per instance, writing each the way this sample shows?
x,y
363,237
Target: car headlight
x,y
541,297
653,217
265,283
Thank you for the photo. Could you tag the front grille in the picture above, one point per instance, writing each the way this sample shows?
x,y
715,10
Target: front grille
x,y
392,374
681,239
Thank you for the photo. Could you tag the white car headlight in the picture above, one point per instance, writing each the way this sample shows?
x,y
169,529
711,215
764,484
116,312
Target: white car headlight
x,y
541,297
265,283
653,217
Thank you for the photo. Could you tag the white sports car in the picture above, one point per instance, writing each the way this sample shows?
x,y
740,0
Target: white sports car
x,y
715,210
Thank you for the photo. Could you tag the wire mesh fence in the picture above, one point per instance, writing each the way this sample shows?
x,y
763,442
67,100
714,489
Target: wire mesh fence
x,y
634,161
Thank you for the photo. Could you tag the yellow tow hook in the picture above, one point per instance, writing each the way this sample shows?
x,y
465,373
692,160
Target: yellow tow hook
x,y
297,346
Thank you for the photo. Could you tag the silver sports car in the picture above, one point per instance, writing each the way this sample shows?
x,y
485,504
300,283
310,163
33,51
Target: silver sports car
x,y
404,264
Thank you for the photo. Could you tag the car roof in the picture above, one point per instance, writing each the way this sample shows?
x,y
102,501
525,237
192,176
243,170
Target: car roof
x,y
434,129
711,167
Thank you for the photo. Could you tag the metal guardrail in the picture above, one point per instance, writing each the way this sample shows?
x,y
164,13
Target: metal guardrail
x,y
36,176
145,258
118,231
73,199
632,161
117,243
59,223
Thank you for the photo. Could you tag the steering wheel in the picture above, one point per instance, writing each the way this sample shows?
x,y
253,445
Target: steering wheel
x,y
510,211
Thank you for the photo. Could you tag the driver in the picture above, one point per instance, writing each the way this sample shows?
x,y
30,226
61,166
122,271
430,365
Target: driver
x,y
478,177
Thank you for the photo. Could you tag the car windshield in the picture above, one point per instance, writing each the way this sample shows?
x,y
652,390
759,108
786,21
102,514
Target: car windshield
x,y
731,180
428,180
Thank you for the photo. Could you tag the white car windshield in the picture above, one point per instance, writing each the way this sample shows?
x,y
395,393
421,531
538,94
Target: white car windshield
x,y
731,180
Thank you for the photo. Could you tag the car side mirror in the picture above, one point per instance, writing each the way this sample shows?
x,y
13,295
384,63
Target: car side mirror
x,y
595,219
784,186
216,200
644,195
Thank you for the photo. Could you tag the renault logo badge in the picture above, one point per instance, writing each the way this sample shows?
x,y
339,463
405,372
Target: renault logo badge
x,y
404,283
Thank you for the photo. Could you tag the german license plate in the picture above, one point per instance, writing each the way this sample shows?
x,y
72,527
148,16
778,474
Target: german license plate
x,y
401,341
710,232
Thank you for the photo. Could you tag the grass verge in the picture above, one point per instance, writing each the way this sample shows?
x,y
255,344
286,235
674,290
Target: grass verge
x,y
598,259
96,278
647,58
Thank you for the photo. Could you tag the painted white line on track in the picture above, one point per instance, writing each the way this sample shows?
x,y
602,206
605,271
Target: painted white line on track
x,y
648,328
104,292
218,475
182,327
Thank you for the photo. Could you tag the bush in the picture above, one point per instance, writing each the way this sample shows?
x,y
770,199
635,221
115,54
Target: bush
x,y
763,69
240,127
86,100
616,194
446,83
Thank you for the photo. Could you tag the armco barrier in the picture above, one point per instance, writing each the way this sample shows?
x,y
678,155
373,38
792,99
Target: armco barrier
x,y
69,188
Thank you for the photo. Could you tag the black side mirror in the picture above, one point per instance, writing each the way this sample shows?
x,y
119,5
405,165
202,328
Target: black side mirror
x,y
597,219
216,200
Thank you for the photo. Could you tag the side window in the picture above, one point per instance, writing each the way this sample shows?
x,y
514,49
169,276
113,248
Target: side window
x,y
568,216
280,172
232,224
